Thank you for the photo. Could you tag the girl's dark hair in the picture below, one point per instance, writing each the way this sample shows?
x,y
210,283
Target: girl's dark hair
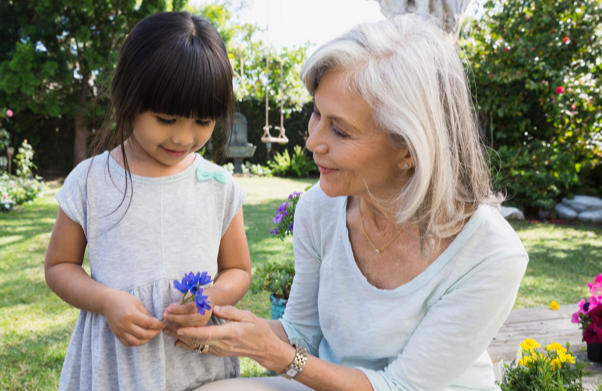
x,y
171,63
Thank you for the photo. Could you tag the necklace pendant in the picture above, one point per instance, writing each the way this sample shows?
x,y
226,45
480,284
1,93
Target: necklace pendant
x,y
377,251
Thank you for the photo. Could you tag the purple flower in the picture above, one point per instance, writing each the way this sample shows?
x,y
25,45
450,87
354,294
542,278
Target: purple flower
x,y
201,302
278,218
204,279
294,194
291,227
283,207
182,286
194,289
274,231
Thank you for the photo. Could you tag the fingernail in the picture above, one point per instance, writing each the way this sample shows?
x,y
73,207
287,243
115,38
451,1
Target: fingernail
x,y
216,308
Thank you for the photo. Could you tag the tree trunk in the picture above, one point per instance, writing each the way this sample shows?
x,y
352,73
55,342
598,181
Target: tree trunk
x,y
81,133
448,12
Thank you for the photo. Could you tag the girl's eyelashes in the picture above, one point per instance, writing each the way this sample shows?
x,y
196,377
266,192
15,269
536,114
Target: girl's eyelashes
x,y
316,112
164,121
203,123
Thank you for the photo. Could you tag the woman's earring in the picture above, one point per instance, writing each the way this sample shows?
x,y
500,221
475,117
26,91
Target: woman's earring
x,y
406,165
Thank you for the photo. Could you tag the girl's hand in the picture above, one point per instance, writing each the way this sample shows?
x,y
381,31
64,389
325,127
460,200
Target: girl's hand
x,y
244,334
129,321
187,315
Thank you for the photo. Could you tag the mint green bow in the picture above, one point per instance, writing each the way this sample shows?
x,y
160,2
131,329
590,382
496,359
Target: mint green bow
x,y
204,175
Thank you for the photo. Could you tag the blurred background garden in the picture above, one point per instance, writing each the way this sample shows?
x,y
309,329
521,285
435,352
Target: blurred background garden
x,y
535,72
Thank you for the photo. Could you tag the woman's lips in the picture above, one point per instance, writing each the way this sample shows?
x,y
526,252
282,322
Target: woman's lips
x,y
326,171
174,153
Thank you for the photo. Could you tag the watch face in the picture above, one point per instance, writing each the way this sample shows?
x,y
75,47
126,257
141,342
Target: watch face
x,y
292,372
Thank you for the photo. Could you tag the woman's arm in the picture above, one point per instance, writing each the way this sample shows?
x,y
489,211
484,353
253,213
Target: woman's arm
x,y
232,282
247,335
127,317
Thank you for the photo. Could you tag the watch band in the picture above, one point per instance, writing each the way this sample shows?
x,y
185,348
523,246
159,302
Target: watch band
x,y
298,363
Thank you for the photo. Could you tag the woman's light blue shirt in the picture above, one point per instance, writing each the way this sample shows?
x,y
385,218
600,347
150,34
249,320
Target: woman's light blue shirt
x,y
428,334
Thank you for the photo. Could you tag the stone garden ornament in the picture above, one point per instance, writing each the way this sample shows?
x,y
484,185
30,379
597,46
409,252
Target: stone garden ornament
x,y
448,12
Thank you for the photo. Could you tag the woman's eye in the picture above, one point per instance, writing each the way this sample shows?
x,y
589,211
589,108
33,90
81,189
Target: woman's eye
x,y
338,134
164,121
316,113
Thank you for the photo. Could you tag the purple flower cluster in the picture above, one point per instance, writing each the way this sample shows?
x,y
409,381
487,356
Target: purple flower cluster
x,y
193,283
294,194
281,212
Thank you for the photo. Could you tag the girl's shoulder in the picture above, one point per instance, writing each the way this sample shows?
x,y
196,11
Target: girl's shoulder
x,y
92,165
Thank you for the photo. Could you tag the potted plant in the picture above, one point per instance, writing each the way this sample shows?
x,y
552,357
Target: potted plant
x,y
276,278
273,277
556,370
589,317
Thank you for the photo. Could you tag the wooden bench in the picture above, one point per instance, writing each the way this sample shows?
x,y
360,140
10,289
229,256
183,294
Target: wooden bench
x,y
544,326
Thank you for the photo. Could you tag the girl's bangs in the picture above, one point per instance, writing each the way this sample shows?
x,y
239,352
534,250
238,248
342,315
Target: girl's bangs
x,y
188,80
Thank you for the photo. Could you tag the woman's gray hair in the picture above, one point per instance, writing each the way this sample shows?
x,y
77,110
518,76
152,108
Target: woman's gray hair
x,y
414,81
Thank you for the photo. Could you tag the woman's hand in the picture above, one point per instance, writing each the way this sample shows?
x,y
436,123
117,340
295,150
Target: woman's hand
x,y
129,321
244,334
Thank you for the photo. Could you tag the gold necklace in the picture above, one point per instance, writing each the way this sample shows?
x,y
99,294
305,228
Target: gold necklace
x,y
363,229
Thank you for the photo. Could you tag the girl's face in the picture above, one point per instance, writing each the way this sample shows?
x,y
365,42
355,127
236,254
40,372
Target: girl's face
x,y
351,151
169,139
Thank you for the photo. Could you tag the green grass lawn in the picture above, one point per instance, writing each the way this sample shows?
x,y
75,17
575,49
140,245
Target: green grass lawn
x,y
35,326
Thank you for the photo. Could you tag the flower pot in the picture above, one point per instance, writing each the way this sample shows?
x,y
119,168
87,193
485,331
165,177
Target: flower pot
x,y
594,352
278,307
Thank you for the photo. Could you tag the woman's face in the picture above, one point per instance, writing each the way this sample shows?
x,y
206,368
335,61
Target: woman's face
x,y
351,151
169,139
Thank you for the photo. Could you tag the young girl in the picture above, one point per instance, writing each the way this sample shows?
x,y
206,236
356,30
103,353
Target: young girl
x,y
149,211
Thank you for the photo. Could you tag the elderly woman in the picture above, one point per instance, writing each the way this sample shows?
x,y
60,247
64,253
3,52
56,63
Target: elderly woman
x,y
405,270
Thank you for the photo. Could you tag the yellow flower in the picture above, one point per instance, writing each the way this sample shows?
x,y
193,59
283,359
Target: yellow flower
x,y
554,306
556,363
526,361
529,344
566,357
555,346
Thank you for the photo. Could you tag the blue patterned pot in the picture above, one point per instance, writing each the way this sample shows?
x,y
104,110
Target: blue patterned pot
x,y
278,307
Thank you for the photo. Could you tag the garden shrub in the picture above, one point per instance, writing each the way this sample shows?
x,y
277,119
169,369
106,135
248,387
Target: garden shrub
x,y
535,175
299,164
20,190
537,67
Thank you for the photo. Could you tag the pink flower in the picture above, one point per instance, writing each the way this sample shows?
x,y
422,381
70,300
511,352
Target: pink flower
x,y
6,196
575,317
592,334
560,90
9,112
596,287
573,107
565,40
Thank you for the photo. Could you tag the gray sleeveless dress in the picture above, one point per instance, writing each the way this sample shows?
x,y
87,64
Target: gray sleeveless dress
x,y
173,225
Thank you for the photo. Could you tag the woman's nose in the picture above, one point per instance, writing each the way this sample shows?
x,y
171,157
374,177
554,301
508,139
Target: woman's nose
x,y
316,142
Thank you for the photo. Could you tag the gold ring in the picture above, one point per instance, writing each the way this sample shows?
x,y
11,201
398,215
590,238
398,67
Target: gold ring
x,y
202,349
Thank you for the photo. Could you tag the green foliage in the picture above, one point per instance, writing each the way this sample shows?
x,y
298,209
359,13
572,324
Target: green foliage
x,y
536,67
56,56
299,164
535,175
18,190
274,277
23,159
543,373
257,169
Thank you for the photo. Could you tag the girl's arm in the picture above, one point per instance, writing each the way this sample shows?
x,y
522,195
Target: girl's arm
x,y
127,317
231,284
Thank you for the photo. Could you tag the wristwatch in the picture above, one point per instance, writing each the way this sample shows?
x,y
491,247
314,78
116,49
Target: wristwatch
x,y
298,363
